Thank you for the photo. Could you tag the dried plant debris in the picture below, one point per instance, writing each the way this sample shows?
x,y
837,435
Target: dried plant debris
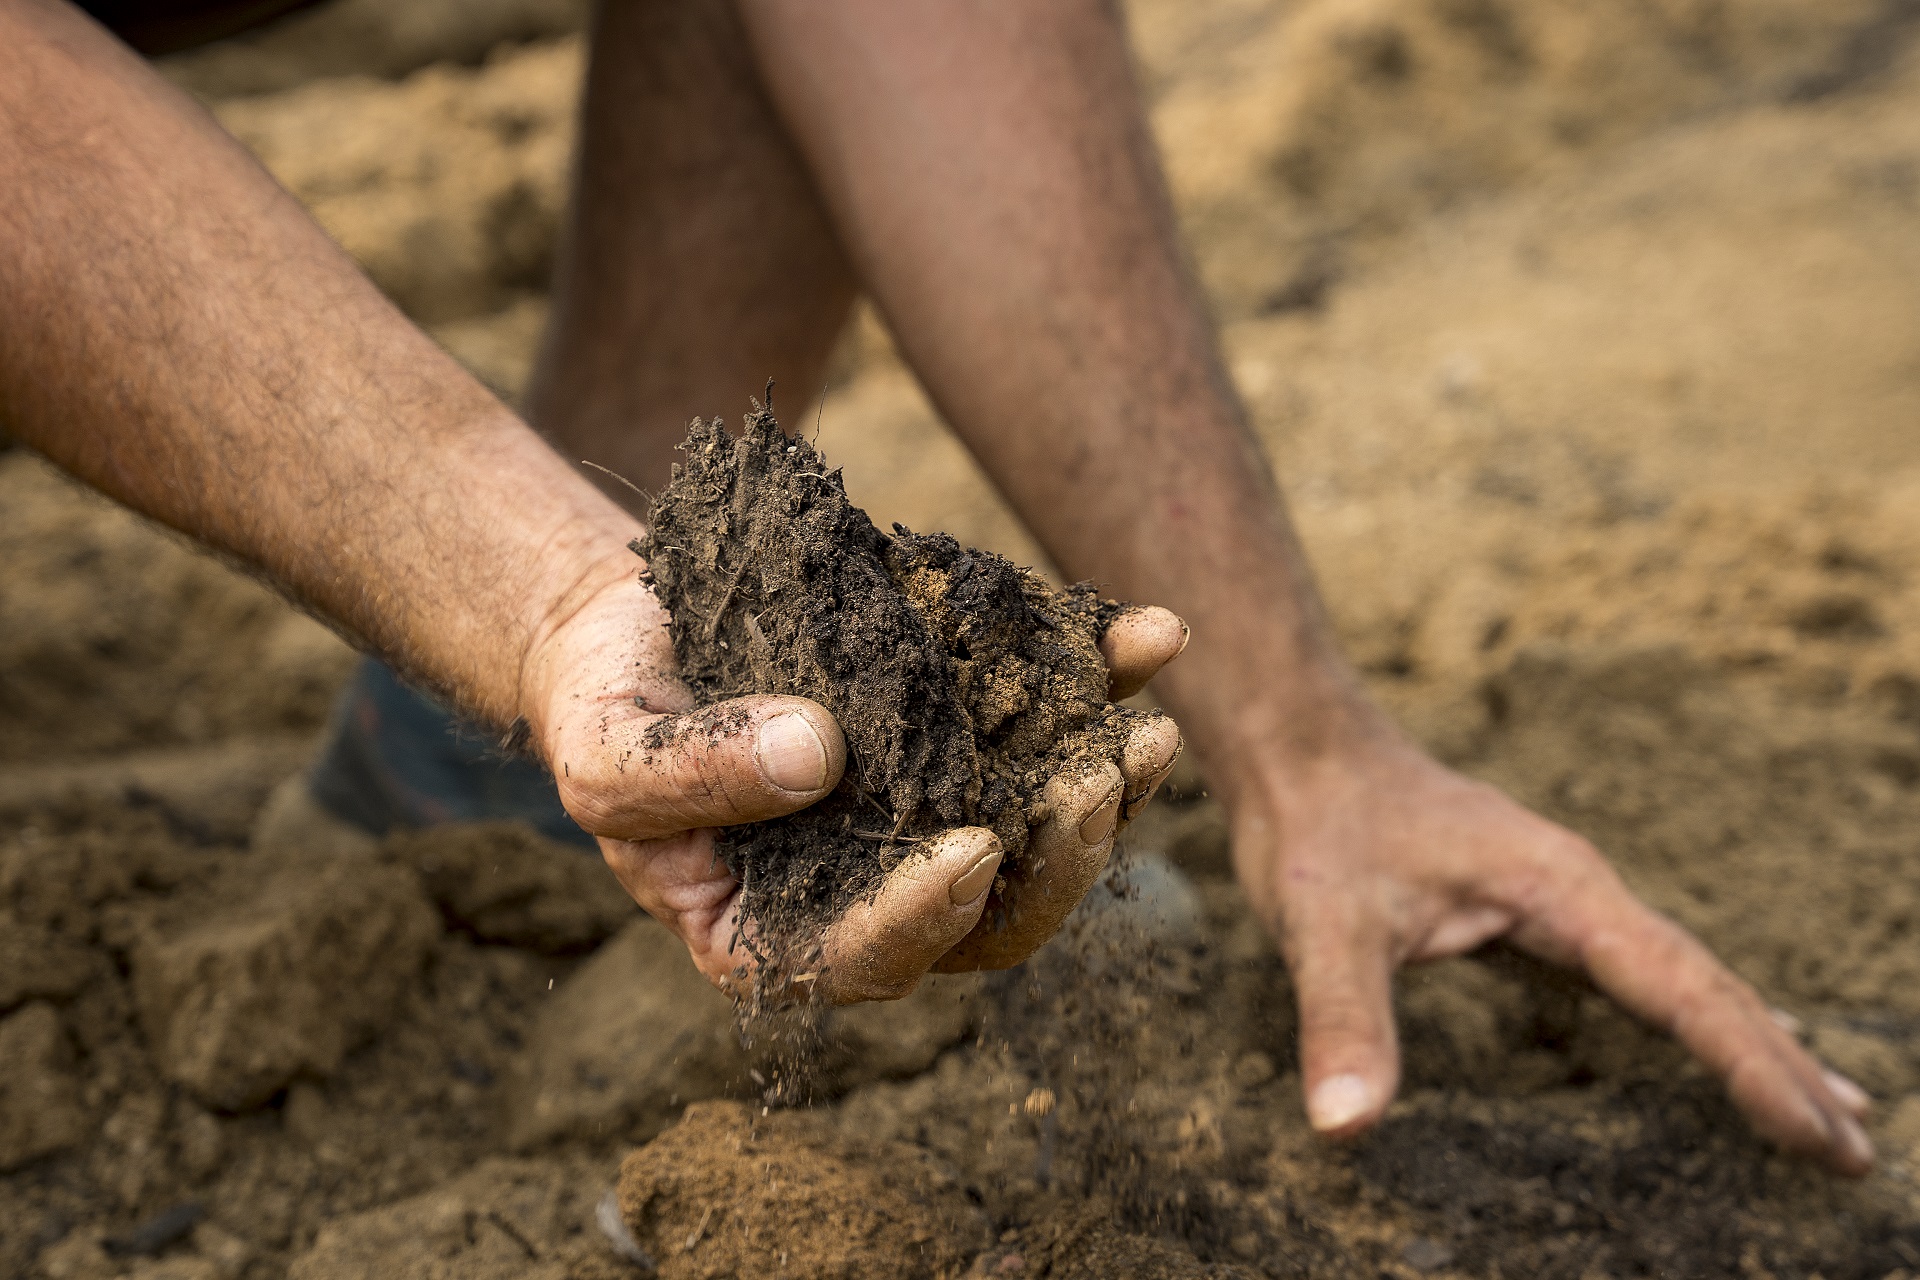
x,y
962,681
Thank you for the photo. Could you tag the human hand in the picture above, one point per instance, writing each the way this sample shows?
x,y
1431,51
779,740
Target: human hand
x,y
1375,856
650,777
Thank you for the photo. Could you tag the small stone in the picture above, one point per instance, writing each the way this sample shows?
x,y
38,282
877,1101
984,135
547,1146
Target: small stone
x,y
1424,1254
1251,1070
40,1110
160,1231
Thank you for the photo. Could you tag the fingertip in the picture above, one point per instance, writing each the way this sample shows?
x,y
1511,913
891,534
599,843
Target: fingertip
x,y
1151,748
975,862
1854,1153
1344,1104
1086,804
882,948
1137,643
1857,1101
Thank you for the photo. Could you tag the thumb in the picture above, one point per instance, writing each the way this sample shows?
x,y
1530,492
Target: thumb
x,y
744,760
1349,1052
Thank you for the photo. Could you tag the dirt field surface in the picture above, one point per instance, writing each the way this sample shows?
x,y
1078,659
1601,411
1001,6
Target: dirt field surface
x,y
1587,340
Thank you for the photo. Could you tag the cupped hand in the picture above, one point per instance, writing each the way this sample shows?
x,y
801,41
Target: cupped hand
x,y
1376,856
639,768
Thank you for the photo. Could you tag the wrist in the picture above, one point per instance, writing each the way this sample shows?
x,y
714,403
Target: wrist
x,y
589,570
1291,744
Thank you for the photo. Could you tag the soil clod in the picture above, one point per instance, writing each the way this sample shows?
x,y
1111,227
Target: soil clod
x,y
962,681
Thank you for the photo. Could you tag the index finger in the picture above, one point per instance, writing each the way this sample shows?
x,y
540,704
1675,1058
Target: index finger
x,y
1664,974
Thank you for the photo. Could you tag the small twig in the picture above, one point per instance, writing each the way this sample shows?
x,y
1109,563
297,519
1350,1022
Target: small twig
x,y
693,1237
891,838
877,806
617,476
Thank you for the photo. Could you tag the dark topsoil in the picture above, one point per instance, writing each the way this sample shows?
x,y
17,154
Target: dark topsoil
x,y
962,681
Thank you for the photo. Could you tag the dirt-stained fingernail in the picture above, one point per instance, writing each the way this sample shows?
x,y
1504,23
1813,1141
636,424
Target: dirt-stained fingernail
x,y
1786,1021
1851,1095
791,754
974,881
1338,1101
1099,824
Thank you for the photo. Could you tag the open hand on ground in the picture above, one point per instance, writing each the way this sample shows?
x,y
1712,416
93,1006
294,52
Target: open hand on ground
x,y
1376,856
650,777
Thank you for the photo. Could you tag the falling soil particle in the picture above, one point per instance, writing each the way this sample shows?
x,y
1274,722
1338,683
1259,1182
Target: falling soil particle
x,y
962,681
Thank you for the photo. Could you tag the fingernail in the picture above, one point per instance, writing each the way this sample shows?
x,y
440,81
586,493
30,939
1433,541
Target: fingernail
x,y
1786,1021
791,754
1099,823
1338,1101
974,881
1854,1140
1851,1095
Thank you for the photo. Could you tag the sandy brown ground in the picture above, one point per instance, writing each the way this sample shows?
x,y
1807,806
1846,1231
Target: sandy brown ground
x,y
1586,338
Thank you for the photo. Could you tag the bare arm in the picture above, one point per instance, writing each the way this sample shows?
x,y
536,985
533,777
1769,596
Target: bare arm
x,y
992,176
179,333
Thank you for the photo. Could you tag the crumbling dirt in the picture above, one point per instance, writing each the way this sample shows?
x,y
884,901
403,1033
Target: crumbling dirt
x,y
713,1198
963,682
1583,335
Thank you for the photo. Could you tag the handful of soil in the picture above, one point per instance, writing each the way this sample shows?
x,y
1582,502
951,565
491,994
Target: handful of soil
x,y
962,681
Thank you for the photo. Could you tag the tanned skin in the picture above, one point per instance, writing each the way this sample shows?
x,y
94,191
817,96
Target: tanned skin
x,y
180,335
984,172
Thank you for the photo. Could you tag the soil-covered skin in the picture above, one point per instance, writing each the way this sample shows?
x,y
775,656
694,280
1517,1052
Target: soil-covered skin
x,y
1583,335
962,681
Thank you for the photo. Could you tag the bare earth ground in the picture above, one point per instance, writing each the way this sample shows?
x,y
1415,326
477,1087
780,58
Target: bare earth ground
x,y
1586,338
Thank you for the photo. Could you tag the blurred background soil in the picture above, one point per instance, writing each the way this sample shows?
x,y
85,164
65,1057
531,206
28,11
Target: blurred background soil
x,y
1586,340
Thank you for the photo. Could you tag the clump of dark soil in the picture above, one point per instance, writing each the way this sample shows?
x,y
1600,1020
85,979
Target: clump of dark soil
x,y
963,682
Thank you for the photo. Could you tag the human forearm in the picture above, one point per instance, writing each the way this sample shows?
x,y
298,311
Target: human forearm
x,y
993,178
180,334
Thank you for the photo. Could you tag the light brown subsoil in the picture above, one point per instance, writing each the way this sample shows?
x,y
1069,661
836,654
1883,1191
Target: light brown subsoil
x,y
1585,337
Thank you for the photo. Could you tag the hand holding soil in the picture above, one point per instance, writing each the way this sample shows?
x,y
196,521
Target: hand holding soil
x,y
963,802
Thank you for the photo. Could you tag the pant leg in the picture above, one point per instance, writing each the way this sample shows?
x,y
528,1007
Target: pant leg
x,y
395,757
